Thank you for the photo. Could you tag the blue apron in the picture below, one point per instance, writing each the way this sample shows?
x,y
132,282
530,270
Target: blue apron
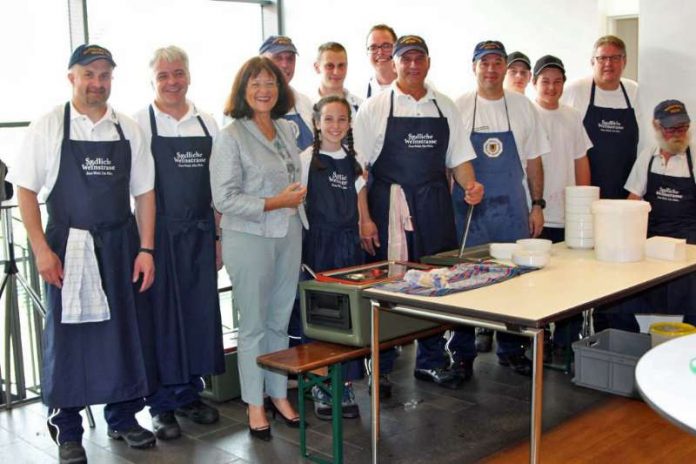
x,y
503,215
333,240
673,215
614,134
184,296
414,156
109,361
303,134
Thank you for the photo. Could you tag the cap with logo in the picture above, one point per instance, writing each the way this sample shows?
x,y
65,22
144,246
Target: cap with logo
x,y
488,47
87,53
518,57
277,44
548,61
406,43
671,113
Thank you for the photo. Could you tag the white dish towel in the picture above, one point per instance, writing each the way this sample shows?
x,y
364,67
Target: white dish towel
x,y
83,296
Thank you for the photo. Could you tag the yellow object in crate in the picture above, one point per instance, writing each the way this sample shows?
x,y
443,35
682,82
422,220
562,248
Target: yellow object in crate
x,y
661,332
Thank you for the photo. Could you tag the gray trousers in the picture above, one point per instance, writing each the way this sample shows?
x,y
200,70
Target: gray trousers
x,y
264,274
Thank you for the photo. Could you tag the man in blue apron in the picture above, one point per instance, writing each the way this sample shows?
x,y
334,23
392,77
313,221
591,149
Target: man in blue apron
x,y
283,53
409,137
608,103
97,263
610,107
507,135
663,175
184,296
380,45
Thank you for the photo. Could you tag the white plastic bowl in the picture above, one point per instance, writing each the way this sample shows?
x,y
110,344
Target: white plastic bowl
x,y
579,217
582,191
572,209
535,245
530,259
502,250
579,243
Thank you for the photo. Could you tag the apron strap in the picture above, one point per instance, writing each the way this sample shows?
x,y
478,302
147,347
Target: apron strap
x,y
438,108
153,122
369,89
66,122
205,129
623,89
391,104
473,120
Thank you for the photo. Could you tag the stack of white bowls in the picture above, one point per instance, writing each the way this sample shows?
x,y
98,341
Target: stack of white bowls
x,y
579,231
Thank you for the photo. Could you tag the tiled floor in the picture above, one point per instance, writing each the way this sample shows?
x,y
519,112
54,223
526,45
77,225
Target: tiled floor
x,y
421,423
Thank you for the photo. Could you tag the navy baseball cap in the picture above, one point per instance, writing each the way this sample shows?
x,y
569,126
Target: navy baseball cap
x,y
406,43
518,57
87,53
671,113
277,44
488,47
548,61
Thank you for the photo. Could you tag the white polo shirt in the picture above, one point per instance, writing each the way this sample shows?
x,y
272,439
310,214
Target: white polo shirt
x,y
36,165
375,88
577,95
168,126
569,142
677,166
370,125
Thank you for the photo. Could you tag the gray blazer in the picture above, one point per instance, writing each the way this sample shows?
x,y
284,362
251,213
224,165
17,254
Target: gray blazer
x,y
246,168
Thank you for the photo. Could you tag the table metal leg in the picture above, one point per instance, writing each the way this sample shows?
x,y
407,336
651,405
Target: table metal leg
x,y
375,379
537,394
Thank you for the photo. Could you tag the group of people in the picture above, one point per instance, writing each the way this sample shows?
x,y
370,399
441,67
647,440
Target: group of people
x,y
332,181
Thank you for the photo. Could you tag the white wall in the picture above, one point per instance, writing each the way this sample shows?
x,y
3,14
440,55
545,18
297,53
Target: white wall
x,y
667,63
566,28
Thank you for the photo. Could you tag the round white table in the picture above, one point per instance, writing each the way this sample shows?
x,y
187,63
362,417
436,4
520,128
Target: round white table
x,y
666,379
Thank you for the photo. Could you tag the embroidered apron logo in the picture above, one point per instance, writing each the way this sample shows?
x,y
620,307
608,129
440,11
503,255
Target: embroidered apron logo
x,y
189,159
614,127
98,167
337,180
493,147
668,194
420,141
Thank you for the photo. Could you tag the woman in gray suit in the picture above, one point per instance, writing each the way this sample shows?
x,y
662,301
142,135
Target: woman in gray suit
x,y
255,174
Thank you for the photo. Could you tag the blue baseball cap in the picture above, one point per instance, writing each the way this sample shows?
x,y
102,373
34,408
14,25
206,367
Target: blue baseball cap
x,y
488,47
87,53
277,44
406,43
671,113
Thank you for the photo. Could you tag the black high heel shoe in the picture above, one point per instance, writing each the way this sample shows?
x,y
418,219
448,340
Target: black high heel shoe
x,y
293,423
262,433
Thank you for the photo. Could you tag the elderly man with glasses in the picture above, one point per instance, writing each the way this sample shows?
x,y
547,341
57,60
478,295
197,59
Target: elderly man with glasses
x,y
663,175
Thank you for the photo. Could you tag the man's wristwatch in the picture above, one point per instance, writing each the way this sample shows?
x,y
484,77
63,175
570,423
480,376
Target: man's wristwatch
x,y
540,203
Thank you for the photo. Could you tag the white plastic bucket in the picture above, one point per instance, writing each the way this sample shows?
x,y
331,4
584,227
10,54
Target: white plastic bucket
x,y
620,229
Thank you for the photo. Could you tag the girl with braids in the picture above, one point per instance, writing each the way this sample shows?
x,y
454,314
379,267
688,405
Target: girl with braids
x,y
333,178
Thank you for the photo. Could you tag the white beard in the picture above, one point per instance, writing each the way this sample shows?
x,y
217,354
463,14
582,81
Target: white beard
x,y
675,145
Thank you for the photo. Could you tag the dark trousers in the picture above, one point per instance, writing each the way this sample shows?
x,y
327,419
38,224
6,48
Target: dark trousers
x,y
65,424
170,397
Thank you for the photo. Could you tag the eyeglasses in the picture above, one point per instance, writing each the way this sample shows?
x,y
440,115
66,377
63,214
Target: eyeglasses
x,y
385,47
609,58
675,130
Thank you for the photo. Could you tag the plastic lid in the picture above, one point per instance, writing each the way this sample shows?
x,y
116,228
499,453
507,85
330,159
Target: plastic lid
x,y
672,329
620,206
